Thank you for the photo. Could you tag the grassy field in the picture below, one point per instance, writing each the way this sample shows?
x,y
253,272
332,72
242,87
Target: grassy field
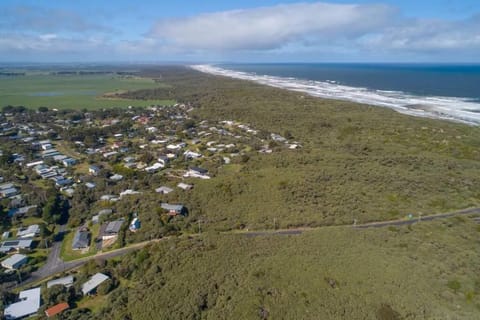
x,y
415,272
73,91
357,162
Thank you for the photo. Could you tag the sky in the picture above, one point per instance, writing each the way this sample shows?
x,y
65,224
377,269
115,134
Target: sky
x,y
208,31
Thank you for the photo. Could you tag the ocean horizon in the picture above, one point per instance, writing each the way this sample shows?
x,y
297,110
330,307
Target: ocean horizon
x,y
443,91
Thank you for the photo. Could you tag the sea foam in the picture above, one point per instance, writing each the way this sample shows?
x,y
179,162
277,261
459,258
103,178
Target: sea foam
x,y
450,108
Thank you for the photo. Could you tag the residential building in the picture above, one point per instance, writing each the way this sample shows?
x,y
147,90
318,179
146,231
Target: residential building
x,y
65,281
15,261
56,309
15,245
81,239
97,279
29,232
28,305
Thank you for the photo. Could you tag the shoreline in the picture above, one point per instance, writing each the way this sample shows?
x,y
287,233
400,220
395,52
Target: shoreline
x,y
441,108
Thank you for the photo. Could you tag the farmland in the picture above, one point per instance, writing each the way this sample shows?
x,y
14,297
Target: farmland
x,y
74,91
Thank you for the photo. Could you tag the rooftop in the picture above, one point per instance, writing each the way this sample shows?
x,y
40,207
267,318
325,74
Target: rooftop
x,y
65,281
93,282
29,304
56,309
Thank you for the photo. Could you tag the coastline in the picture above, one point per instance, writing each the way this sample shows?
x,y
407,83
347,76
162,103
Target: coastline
x,y
460,110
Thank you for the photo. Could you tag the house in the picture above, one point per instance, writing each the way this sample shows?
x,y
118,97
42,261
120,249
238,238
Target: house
x,y
30,232
116,177
184,186
28,305
7,193
63,183
90,185
156,166
191,155
197,172
97,279
174,209
15,261
65,281
15,245
112,229
19,212
163,190
69,162
81,239
128,192
56,309
93,170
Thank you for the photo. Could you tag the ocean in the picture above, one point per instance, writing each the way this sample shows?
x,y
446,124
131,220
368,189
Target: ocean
x,y
444,91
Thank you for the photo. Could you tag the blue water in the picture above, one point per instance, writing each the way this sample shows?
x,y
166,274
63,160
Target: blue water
x,y
425,90
418,79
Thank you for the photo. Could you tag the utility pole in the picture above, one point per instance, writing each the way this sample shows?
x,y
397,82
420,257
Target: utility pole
x,y
354,222
274,223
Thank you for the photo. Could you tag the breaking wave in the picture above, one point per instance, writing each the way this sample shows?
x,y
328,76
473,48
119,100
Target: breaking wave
x,y
450,108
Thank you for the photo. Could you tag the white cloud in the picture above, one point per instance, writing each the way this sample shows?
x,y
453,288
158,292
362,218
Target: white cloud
x,y
427,35
272,27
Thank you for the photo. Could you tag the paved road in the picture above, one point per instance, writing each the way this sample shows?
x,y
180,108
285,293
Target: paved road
x,y
56,265
418,219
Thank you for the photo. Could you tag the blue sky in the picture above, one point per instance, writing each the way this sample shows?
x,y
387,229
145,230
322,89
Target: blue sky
x,y
242,31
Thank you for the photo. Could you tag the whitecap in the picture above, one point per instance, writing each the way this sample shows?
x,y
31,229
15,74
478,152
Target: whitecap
x,y
450,108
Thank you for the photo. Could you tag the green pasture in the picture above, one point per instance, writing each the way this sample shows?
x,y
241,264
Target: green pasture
x,y
73,91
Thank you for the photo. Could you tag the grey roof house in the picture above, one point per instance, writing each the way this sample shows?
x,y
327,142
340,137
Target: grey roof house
x,y
81,239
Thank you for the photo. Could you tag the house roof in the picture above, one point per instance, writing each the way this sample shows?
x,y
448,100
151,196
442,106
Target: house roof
x,y
29,232
93,282
172,207
81,239
13,260
56,309
199,170
114,226
164,190
65,281
15,244
29,304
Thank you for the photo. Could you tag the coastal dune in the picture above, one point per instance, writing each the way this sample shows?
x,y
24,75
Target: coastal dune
x,y
457,109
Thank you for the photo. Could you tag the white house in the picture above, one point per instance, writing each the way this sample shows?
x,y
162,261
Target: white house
x,y
28,305
15,261
29,232
93,283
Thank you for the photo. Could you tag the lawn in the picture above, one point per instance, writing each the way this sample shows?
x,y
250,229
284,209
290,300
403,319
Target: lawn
x,y
68,254
73,91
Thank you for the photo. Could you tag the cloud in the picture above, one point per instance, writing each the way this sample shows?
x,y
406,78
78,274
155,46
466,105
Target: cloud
x,y
272,27
428,35
38,19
